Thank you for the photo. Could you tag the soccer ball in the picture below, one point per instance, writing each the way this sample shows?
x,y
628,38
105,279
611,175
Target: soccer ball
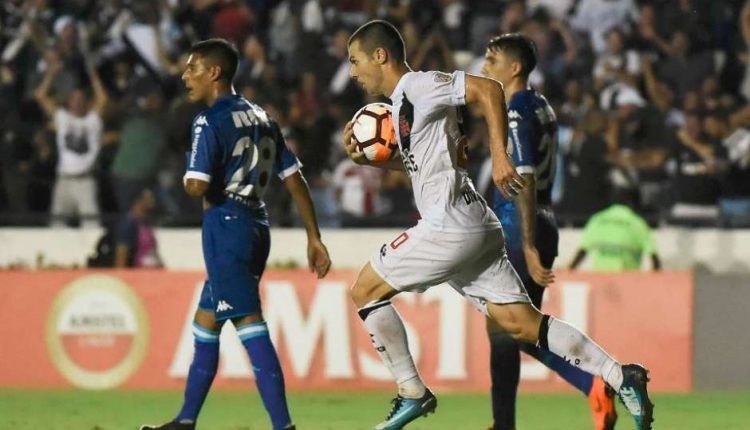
x,y
373,130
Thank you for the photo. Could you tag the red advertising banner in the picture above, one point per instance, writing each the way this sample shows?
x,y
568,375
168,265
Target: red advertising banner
x,y
131,329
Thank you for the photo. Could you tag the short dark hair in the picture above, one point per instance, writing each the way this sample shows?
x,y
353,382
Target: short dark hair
x,y
220,52
518,47
380,34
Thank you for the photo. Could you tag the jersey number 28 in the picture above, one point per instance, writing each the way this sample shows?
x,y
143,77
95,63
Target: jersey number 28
x,y
260,155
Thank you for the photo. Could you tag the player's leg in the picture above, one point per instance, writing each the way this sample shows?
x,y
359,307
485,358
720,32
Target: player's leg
x,y
238,267
600,397
371,294
269,377
203,368
526,323
505,365
415,260
491,284
205,362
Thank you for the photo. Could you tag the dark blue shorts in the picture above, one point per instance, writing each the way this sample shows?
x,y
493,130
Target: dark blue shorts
x,y
547,238
235,249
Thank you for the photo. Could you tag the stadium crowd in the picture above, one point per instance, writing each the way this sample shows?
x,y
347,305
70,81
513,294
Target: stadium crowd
x,y
651,98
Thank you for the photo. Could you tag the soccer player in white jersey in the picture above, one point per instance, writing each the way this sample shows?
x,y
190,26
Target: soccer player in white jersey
x,y
458,240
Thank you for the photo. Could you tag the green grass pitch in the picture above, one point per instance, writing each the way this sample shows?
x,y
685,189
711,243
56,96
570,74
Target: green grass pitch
x,y
123,410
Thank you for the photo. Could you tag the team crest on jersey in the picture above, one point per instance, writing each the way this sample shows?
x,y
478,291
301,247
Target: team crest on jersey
x,y
443,77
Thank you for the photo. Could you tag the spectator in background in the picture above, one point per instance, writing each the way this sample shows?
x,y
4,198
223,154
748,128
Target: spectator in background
x,y
357,191
617,238
483,22
233,20
78,126
575,104
40,169
661,95
333,71
140,143
616,63
587,185
597,17
684,68
135,242
697,163
253,61
638,144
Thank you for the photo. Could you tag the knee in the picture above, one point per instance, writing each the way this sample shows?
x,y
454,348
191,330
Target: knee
x,y
369,288
359,294
522,334
522,331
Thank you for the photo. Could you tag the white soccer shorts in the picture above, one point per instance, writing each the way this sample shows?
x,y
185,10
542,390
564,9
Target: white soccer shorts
x,y
474,264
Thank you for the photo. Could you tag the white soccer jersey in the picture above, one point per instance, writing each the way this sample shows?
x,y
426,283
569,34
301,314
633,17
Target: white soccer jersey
x,y
425,111
78,142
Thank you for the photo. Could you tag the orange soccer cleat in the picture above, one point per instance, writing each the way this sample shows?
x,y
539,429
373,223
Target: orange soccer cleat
x,y
602,401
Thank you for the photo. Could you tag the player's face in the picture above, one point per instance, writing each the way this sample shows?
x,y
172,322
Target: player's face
x,y
365,70
498,66
197,78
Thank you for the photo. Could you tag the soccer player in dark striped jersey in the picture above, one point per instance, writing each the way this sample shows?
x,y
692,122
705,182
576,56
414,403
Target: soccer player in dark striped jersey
x,y
531,236
236,147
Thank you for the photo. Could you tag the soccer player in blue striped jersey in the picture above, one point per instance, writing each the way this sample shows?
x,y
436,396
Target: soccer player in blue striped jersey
x,y
530,229
236,147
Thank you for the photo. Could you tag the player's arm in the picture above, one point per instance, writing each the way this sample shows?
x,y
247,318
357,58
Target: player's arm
x,y
489,98
201,159
195,187
350,146
526,205
317,254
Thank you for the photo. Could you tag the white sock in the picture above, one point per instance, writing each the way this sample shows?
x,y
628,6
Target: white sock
x,y
579,350
389,339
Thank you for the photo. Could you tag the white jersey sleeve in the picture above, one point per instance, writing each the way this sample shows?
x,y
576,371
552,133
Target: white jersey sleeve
x,y
433,91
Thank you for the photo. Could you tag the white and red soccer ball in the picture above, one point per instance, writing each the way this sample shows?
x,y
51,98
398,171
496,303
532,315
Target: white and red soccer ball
x,y
374,133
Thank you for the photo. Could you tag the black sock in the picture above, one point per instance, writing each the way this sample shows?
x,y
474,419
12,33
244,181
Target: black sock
x,y
505,368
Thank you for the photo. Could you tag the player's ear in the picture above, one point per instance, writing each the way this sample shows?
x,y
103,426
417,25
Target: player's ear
x,y
516,68
214,72
380,55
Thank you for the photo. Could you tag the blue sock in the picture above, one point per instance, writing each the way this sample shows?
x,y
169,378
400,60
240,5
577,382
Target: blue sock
x,y
268,375
202,372
573,375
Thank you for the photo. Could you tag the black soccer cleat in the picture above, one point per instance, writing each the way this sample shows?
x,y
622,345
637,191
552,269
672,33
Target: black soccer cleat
x,y
634,395
172,425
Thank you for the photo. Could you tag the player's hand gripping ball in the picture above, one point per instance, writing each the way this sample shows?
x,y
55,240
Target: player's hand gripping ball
x,y
373,130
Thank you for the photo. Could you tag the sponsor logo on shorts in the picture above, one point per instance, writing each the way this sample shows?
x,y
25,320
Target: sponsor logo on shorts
x,y
223,306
